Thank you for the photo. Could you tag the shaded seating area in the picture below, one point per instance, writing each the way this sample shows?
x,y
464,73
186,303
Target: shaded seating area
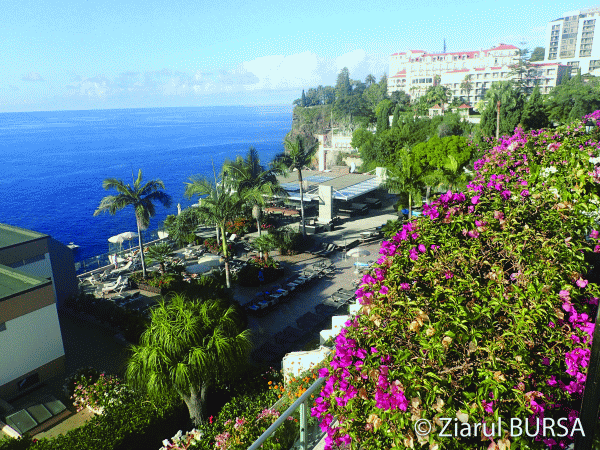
x,y
343,296
323,249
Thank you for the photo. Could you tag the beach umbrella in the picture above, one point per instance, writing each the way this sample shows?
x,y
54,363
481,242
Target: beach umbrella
x,y
358,252
119,238
204,264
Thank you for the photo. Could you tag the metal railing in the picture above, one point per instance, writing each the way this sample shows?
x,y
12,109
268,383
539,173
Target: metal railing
x,y
300,403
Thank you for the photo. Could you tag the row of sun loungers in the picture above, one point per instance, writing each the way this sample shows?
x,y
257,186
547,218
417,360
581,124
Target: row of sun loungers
x,y
264,301
323,249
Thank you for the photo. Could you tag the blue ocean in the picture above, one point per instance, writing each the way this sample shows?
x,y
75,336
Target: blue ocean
x,y
53,163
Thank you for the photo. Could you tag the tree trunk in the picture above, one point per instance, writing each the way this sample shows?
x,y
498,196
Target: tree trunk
x,y
409,206
427,194
301,203
498,122
142,259
196,403
218,233
226,256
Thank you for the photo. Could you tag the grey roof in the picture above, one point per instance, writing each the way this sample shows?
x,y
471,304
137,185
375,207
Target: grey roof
x,y
345,186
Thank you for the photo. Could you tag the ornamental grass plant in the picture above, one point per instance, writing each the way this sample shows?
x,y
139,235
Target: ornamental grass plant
x,y
479,311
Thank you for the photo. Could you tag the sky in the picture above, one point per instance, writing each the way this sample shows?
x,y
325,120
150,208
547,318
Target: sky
x,y
90,54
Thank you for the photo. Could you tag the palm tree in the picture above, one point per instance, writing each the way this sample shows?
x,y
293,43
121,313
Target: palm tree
x,y
264,244
370,80
186,349
161,254
467,85
218,205
141,197
251,180
297,156
406,177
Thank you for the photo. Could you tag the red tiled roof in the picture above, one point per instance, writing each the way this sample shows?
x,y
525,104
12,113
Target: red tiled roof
x,y
496,68
457,71
480,68
546,64
469,53
464,106
401,74
505,47
436,107
418,51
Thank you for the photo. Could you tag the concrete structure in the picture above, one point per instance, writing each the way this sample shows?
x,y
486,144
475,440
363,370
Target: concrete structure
x,y
330,145
35,272
570,40
415,71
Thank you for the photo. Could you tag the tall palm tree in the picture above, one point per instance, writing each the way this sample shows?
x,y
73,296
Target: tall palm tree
x,y
252,181
467,85
141,197
297,156
370,80
218,204
186,349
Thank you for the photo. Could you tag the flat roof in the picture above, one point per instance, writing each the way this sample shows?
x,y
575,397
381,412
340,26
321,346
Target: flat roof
x,y
345,186
11,235
14,282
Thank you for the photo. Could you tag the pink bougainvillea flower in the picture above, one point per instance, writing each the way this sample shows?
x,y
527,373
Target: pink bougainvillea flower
x,y
564,295
448,275
422,248
524,193
404,286
475,199
581,283
594,234
546,361
597,249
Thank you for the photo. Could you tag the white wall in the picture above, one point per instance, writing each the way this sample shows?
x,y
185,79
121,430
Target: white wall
x,y
29,342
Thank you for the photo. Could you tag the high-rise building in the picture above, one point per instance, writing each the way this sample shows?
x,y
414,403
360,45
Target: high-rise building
x,y
570,40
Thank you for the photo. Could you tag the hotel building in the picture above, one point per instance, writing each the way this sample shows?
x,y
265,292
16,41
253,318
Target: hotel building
x,y
570,40
36,274
415,71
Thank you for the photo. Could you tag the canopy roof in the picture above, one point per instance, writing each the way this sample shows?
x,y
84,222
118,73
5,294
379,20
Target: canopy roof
x,y
345,187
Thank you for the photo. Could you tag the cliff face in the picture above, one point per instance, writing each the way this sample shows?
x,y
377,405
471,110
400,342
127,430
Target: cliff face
x,y
310,121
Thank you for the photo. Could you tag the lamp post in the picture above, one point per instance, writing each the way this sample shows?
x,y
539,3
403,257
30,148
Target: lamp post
x,y
589,125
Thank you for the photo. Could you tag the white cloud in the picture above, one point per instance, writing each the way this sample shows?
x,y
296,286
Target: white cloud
x,y
32,76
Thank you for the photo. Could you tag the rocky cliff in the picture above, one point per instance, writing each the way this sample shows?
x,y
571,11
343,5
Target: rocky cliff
x,y
310,121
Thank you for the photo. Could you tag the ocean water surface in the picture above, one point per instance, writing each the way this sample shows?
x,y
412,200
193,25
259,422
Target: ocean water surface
x,y
53,163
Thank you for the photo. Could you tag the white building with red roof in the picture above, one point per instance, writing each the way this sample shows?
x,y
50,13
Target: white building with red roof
x,y
415,71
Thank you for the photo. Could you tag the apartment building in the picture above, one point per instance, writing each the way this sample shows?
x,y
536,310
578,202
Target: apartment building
x,y
570,40
35,272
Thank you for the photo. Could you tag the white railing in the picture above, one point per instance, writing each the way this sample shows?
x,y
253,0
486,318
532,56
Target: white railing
x,y
300,403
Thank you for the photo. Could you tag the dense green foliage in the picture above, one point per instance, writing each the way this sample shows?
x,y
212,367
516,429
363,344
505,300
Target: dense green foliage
x,y
481,310
573,99
188,348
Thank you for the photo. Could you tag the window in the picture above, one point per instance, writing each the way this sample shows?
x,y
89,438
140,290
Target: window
x,y
3,326
28,382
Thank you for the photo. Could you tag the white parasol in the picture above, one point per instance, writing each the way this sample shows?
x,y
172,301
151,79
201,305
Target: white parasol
x,y
358,252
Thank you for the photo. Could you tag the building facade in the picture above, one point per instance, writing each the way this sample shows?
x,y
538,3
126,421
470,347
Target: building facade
x,y
570,40
415,71
35,271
